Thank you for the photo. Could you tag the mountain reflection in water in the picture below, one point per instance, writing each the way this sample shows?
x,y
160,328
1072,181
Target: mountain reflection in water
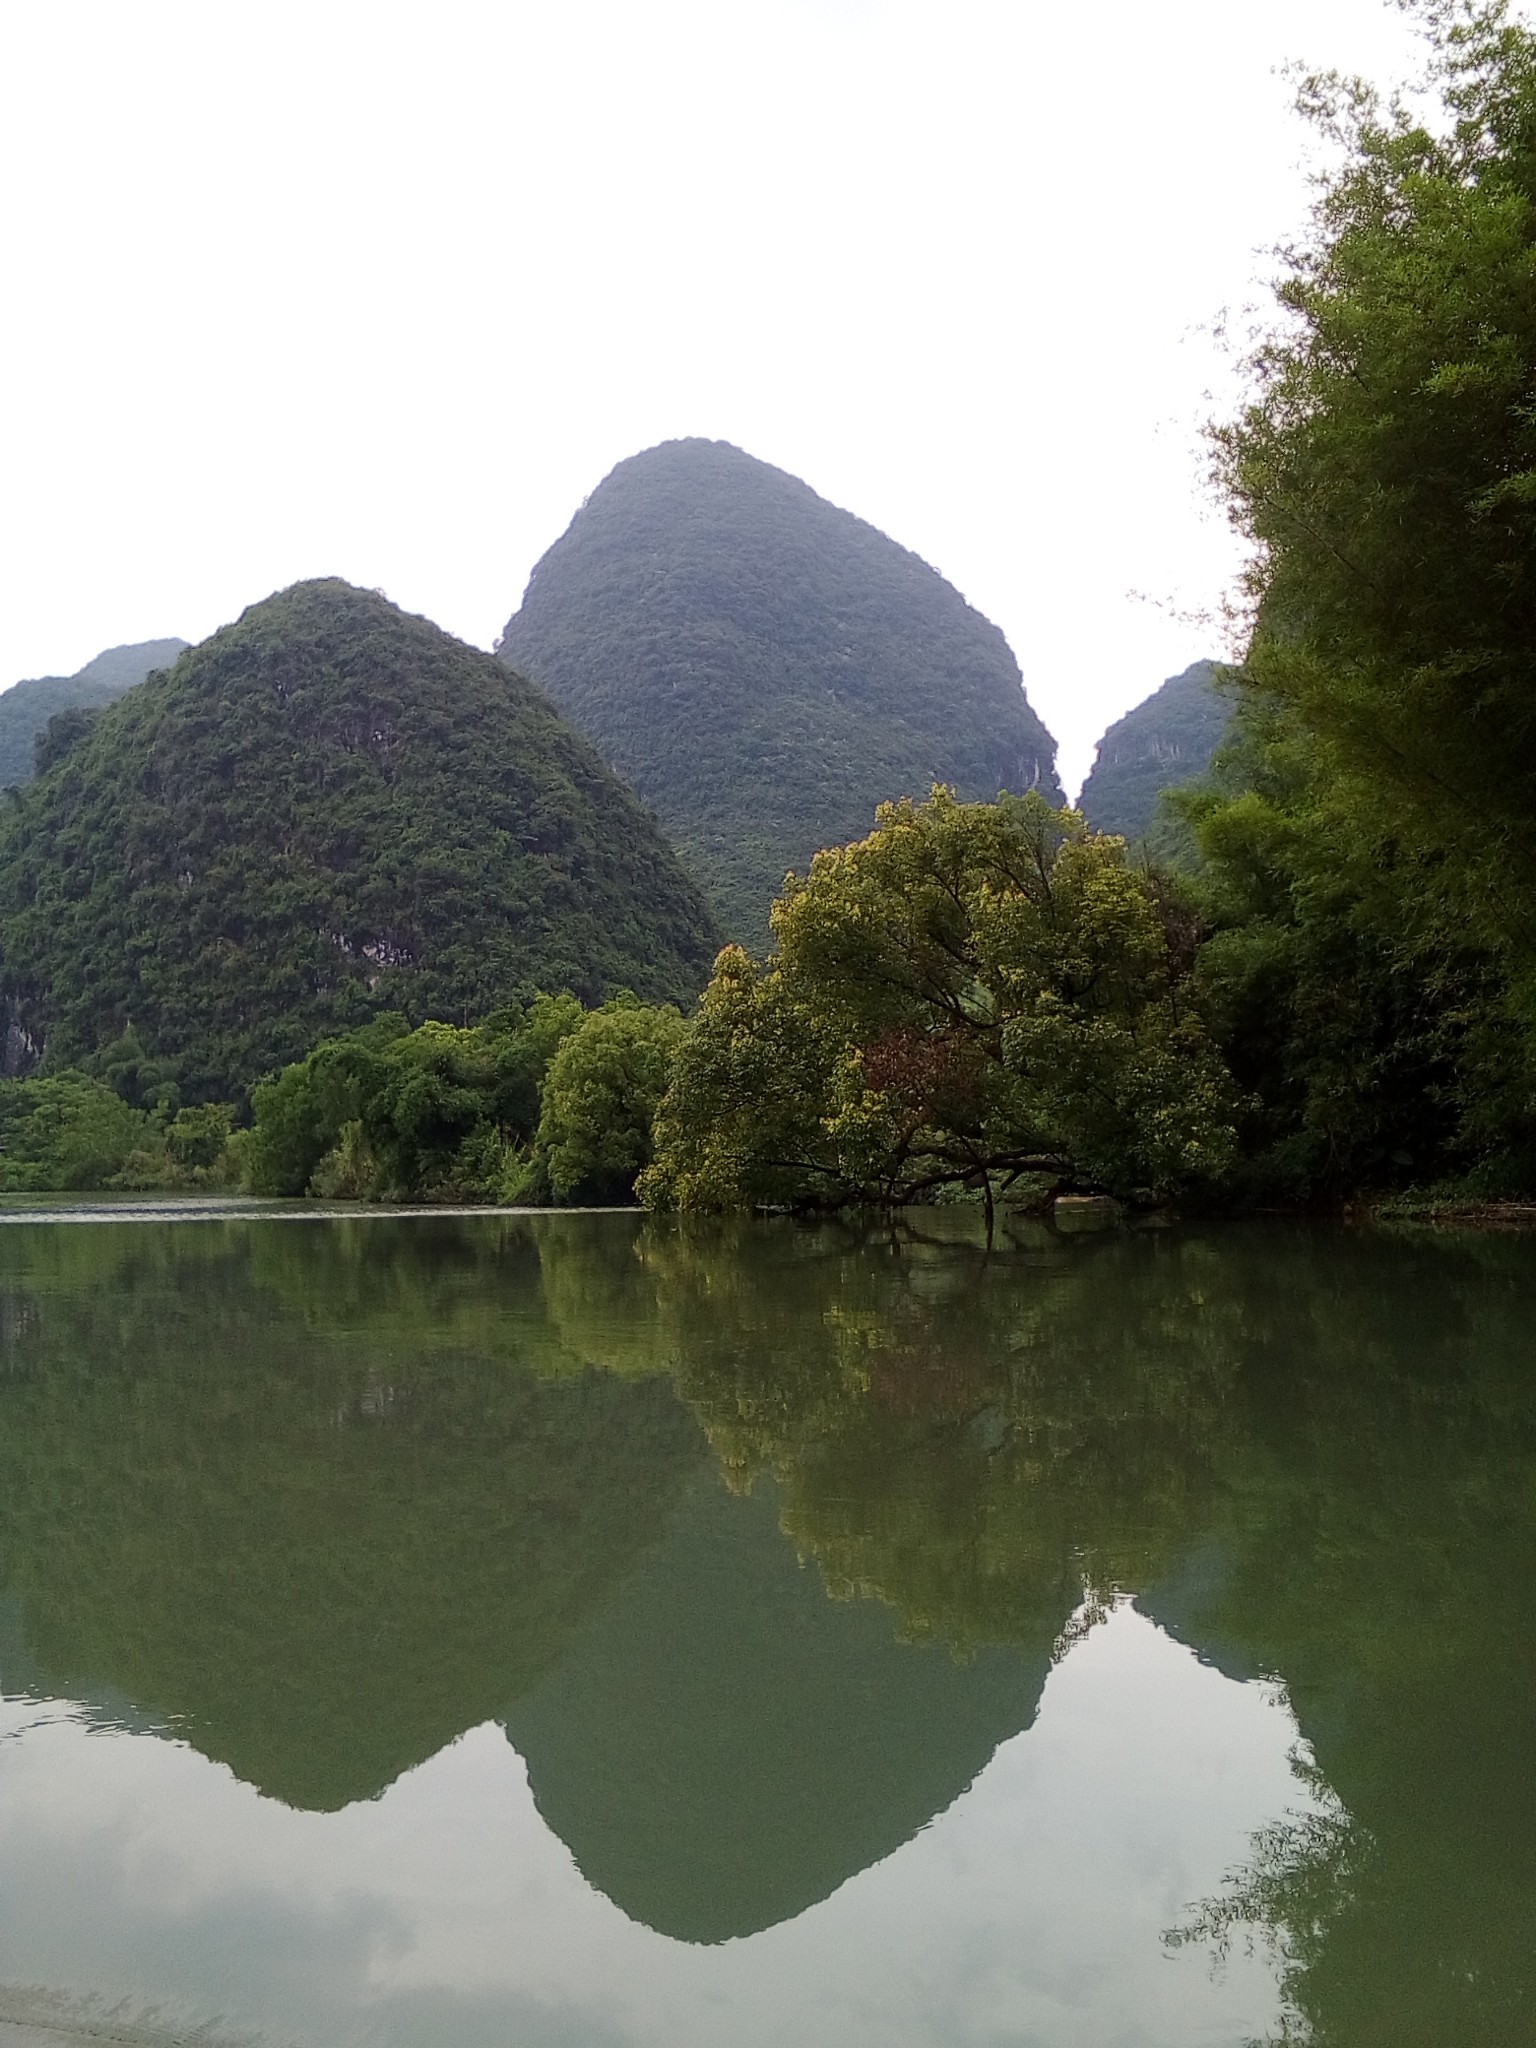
x,y
319,1498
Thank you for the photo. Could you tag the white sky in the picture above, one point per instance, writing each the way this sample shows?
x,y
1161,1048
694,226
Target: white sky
x,y
353,287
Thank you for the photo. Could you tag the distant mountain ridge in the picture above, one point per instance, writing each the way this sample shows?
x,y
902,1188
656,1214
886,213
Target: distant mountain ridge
x,y
765,668
327,810
25,708
1165,741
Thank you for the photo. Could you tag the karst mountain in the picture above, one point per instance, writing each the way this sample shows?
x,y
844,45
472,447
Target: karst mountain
x,y
327,810
26,708
1165,741
765,668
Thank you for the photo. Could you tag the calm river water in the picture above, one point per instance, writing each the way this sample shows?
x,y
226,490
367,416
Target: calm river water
x,y
588,1631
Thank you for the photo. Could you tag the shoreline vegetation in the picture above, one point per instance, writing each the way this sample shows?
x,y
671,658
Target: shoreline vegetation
x,y
1321,997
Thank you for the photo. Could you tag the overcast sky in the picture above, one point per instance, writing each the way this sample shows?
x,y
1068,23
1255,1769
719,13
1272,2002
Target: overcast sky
x,y
384,291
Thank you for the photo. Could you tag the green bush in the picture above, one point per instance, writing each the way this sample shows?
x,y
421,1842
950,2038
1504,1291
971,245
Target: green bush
x,y
443,1113
69,1132
601,1095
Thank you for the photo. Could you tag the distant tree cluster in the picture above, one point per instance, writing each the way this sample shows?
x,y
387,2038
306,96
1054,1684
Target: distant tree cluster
x,y
548,1103
977,1001
69,1132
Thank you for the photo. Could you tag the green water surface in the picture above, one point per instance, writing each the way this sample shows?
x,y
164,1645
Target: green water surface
x,y
597,1630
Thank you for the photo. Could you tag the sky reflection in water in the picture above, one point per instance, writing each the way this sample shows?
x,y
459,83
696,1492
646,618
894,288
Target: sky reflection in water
x,y
1033,1909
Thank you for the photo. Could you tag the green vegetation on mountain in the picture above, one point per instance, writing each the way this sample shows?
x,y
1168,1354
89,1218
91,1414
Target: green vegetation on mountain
x,y
974,996
328,811
26,708
766,669
1166,741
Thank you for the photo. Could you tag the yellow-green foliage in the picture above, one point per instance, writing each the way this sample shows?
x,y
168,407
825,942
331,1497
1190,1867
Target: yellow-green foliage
x,y
973,994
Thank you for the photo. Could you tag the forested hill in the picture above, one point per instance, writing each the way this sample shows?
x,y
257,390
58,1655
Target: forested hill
x,y
764,668
1166,740
26,708
327,810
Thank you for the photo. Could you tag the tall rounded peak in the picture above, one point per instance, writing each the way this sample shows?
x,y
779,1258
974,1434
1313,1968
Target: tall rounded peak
x,y
714,490
325,603
766,668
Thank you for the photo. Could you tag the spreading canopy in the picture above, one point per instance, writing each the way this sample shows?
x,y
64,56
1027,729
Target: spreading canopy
x,y
973,994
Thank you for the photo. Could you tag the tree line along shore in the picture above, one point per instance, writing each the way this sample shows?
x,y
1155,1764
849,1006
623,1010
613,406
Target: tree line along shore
x,y
334,904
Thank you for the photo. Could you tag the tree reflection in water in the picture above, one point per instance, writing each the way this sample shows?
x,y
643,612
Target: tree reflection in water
x,y
1305,1451
321,1496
